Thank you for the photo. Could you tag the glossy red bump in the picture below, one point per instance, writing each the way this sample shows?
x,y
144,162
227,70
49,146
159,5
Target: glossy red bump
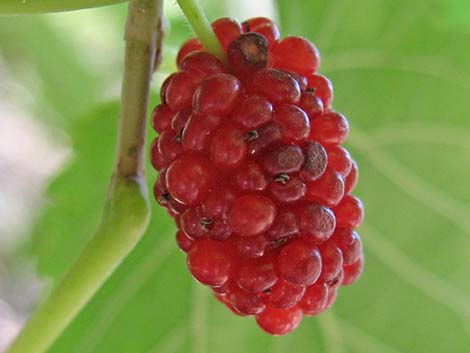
x,y
295,54
349,212
328,190
322,88
188,179
263,26
329,128
190,46
227,30
276,85
217,94
251,215
299,262
228,149
293,123
253,112
279,321
209,262
317,222
315,299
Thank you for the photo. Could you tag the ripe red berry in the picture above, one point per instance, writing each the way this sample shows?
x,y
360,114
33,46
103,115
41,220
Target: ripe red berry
x,y
251,215
284,295
283,159
168,146
250,178
260,139
257,275
349,243
295,54
276,85
247,54
339,160
179,121
263,26
292,122
253,112
184,242
350,180
332,261
286,225
315,299
193,224
227,30
311,104
156,158
285,189
161,118
317,222
252,170
352,272
251,247
246,303
228,148
349,212
209,262
277,321
180,90
299,262
164,87
190,46
330,128
316,161
328,190
218,202
197,131
201,63
217,94
322,88
188,179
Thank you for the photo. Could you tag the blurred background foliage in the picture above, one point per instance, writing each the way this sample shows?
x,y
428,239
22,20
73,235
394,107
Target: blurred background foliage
x,y
401,72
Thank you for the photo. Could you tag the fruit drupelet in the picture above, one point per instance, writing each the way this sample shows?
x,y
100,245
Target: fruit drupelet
x,y
252,170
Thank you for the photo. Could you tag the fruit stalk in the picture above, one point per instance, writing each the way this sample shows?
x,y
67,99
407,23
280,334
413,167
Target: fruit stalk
x,y
126,212
201,27
18,7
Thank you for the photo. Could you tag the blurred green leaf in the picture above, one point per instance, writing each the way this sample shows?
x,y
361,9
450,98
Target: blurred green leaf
x,y
56,57
35,50
75,199
455,15
403,82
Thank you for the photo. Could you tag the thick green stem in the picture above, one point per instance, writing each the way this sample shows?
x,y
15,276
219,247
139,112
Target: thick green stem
x,y
125,218
143,30
126,213
201,27
22,7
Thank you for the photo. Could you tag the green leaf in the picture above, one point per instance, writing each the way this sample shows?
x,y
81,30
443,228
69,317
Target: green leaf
x,y
402,79
14,7
61,62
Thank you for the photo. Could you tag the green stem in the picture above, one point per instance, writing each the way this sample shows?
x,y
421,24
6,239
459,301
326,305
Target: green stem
x,y
201,27
22,7
126,212
114,238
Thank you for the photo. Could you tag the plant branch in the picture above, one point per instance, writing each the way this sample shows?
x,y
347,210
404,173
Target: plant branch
x,y
142,33
23,7
126,213
201,27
